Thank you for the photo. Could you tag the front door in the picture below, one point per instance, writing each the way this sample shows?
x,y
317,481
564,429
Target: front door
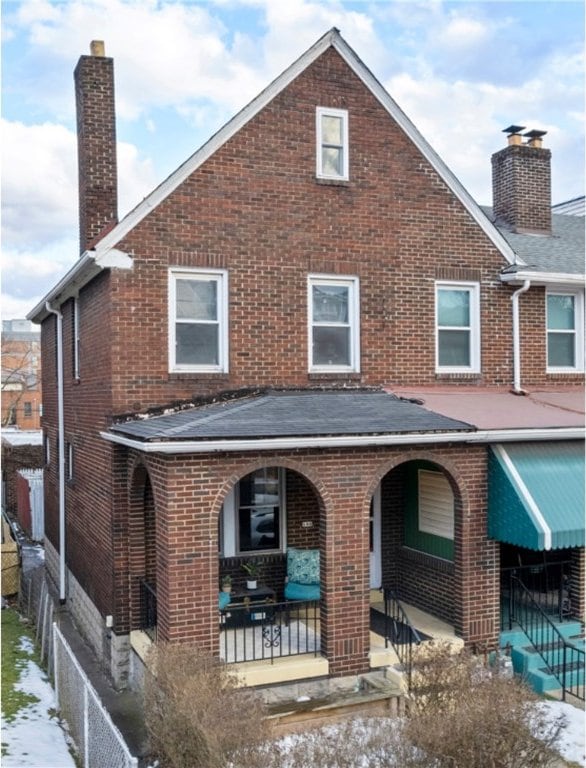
x,y
375,541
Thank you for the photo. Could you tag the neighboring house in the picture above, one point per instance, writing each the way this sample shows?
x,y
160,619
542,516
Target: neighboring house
x,y
21,374
22,452
310,336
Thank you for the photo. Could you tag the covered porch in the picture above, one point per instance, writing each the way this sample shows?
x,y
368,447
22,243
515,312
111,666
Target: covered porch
x,y
388,493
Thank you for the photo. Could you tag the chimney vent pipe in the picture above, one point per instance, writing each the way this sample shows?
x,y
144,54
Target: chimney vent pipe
x,y
97,48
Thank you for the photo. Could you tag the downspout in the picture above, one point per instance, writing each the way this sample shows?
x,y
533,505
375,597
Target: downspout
x,y
516,339
61,451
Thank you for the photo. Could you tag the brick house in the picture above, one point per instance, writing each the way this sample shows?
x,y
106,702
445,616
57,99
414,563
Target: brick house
x,y
21,375
309,336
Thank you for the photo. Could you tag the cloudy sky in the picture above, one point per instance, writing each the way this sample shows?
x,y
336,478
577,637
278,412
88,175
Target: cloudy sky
x,y
462,71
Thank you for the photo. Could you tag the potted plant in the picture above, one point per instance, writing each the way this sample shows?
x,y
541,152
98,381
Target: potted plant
x,y
226,583
252,569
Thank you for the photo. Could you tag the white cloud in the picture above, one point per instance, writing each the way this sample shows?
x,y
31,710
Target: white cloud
x,y
39,182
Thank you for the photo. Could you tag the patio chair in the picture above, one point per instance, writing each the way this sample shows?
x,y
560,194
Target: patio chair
x,y
302,582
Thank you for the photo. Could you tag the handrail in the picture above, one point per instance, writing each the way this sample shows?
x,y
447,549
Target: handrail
x,y
549,584
563,657
400,632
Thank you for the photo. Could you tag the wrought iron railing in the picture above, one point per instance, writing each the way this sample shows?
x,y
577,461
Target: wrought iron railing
x,y
562,658
548,584
400,633
269,630
148,610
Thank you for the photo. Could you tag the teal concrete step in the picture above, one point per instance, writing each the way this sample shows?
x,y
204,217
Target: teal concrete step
x,y
530,664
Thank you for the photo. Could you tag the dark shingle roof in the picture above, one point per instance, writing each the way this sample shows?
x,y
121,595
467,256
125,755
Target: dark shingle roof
x,y
562,251
292,414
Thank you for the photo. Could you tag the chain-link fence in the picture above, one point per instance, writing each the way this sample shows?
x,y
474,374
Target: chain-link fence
x,y
98,740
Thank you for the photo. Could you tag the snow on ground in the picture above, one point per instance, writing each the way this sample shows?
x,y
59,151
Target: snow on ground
x,y
572,744
35,739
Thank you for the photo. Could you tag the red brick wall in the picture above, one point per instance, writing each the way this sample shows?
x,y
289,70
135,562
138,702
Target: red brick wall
x,y
188,494
255,209
521,183
96,146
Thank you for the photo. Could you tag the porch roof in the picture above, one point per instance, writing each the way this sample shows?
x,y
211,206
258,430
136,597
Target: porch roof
x,y
292,414
536,494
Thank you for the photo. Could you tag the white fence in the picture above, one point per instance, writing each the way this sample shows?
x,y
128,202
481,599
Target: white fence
x,y
34,477
99,742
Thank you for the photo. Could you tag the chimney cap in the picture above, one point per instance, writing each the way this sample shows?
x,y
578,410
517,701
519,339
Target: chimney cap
x,y
534,134
514,129
97,48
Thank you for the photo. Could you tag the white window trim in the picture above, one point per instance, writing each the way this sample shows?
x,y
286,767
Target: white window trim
x,y
474,291
578,331
321,112
353,283
229,546
221,278
437,519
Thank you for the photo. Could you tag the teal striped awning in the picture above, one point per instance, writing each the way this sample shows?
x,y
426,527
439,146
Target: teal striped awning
x,y
536,494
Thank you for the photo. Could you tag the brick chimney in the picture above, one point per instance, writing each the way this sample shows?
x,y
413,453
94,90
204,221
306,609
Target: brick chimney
x,y
96,144
521,182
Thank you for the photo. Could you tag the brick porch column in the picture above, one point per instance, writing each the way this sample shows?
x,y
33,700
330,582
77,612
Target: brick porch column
x,y
345,593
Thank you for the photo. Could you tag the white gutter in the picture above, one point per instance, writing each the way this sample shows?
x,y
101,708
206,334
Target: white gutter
x,y
525,494
61,450
345,441
516,338
543,278
89,264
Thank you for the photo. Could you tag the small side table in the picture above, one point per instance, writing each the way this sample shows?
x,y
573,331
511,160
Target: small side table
x,y
248,606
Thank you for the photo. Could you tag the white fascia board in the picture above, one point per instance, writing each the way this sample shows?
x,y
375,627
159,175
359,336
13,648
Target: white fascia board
x,y
543,278
89,264
331,38
362,71
225,133
345,441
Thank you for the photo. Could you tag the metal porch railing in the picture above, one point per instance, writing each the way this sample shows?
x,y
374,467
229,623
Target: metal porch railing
x,y
400,633
148,610
269,630
562,659
548,584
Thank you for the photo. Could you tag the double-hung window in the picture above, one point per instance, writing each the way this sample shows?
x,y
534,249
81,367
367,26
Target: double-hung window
x,y
334,337
457,327
565,322
332,143
253,514
198,320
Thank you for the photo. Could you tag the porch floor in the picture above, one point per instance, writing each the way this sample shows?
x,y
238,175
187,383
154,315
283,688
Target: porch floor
x,y
423,622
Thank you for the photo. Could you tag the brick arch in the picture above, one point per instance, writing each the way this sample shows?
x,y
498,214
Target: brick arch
x,y
300,467
142,536
447,466
424,580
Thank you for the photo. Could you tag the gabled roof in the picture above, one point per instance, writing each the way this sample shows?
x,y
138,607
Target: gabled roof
x,y
559,255
330,39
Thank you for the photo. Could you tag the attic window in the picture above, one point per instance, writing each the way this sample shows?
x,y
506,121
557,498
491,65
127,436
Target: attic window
x,y
332,143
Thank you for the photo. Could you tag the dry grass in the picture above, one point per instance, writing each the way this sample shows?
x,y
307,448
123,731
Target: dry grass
x,y
464,716
195,715
460,716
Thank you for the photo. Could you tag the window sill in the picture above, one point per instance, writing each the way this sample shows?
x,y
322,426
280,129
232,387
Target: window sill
x,y
198,375
340,375
464,375
424,558
332,182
